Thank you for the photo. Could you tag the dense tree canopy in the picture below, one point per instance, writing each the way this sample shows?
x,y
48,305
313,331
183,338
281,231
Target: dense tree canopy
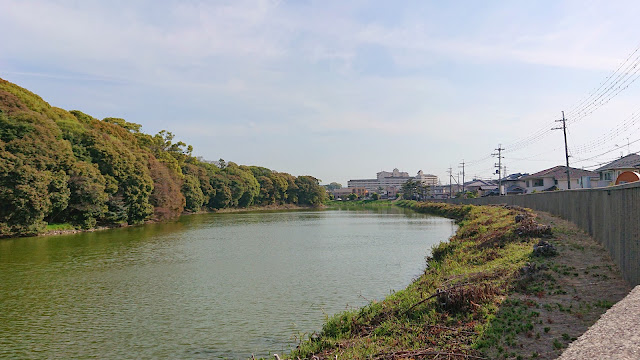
x,y
61,166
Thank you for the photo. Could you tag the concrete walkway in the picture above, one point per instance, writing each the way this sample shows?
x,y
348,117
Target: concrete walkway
x,y
615,336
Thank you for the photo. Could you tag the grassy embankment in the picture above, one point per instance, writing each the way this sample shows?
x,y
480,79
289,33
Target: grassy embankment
x,y
484,294
359,203
67,228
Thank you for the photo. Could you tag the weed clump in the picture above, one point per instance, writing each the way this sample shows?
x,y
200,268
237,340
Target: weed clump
x,y
528,227
465,297
544,248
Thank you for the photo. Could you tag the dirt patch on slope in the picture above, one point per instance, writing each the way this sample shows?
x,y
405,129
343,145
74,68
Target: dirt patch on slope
x,y
568,293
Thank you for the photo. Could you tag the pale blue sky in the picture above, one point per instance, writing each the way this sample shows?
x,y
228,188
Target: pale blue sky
x,y
335,89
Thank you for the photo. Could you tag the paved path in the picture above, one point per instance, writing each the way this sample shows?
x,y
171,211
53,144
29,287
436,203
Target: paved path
x,y
615,336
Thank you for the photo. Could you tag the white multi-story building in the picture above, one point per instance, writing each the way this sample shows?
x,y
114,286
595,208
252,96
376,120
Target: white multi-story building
x,y
426,179
390,182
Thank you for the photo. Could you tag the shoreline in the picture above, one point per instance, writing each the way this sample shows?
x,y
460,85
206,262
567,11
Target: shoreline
x,y
485,294
283,207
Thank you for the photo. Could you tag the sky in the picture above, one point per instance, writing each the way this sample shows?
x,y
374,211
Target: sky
x,y
343,89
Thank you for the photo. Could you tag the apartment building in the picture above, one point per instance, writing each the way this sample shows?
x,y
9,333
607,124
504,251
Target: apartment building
x,y
389,182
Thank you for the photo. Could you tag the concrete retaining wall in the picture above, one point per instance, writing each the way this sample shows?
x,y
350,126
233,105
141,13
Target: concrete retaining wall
x,y
610,215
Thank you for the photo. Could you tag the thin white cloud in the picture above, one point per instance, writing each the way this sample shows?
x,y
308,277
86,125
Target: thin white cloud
x,y
275,67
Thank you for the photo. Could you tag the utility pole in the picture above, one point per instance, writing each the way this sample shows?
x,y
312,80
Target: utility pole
x,y
450,176
499,166
566,148
462,163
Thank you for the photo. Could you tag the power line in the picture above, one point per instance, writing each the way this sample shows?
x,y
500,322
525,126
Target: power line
x,y
610,81
605,102
625,128
606,152
601,163
593,92
627,72
630,72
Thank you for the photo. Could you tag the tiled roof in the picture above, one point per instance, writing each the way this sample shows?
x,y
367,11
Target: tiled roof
x,y
478,182
559,173
626,162
512,177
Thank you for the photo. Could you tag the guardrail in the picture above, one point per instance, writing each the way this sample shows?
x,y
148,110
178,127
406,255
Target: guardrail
x,y
610,215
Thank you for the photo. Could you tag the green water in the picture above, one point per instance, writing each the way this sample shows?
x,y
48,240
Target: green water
x,y
206,286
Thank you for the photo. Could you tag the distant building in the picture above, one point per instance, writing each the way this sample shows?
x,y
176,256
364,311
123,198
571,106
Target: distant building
x,y
426,179
514,184
555,178
479,185
444,191
344,192
389,183
610,172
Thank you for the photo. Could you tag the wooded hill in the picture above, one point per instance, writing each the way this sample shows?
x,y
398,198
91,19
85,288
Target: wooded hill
x,y
59,166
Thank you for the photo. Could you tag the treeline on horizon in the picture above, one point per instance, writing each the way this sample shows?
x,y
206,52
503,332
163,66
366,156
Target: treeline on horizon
x,y
59,166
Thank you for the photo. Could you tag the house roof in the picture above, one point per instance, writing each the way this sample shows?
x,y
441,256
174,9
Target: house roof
x,y
477,182
560,173
513,177
626,162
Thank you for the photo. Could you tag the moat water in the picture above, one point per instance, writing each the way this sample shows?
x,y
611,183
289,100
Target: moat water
x,y
205,286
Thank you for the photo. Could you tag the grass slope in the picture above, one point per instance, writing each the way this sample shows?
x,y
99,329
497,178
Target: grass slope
x,y
484,294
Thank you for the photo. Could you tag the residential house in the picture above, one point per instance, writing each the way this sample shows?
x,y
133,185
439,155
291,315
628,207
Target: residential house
x,y
514,184
610,172
555,178
476,184
481,187
444,191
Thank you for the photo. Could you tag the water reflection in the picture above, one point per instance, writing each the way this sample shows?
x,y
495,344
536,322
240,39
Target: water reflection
x,y
205,286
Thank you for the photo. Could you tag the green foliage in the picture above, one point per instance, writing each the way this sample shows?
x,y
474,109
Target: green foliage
x,y
60,166
222,196
59,194
123,123
11,129
24,199
87,202
414,190
309,191
192,193
333,186
243,185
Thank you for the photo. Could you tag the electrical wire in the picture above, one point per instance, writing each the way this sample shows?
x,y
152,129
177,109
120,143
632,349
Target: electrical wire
x,y
604,153
611,81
